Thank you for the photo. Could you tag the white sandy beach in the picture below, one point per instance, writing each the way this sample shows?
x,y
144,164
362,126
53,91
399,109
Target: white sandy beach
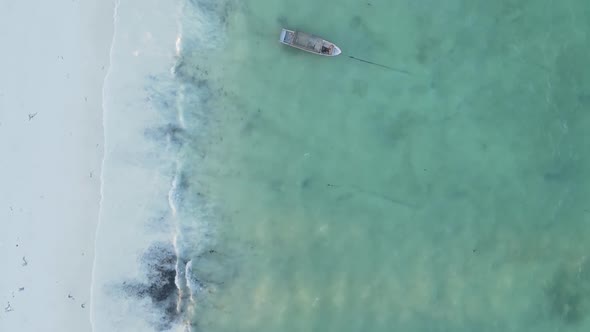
x,y
54,59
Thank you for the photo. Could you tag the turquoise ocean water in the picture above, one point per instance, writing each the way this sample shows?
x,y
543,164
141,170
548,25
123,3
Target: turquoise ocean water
x,y
451,195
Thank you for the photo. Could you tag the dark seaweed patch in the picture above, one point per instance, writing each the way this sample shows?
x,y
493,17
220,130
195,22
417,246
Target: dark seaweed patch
x,y
161,271
212,8
190,73
183,182
171,132
159,265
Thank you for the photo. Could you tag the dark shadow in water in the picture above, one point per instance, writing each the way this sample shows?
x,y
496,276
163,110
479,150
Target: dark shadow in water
x,y
356,22
283,21
306,183
159,266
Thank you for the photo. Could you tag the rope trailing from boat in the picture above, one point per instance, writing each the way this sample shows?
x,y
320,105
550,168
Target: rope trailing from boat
x,y
380,65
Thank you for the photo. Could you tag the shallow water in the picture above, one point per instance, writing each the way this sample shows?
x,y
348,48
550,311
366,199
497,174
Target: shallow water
x,y
329,194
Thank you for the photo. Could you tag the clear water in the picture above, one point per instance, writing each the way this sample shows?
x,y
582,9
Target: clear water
x,y
336,195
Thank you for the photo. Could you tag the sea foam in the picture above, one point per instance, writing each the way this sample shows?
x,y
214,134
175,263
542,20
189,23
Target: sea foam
x,y
147,232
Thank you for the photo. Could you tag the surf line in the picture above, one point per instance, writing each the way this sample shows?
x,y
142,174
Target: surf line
x,y
380,65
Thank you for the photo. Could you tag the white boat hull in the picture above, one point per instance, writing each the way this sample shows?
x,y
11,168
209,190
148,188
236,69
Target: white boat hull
x,y
309,43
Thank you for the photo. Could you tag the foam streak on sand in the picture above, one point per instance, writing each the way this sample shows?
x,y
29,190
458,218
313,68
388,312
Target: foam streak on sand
x,y
180,278
104,96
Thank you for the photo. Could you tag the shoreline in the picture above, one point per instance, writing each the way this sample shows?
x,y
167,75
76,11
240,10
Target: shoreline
x,y
138,173
51,131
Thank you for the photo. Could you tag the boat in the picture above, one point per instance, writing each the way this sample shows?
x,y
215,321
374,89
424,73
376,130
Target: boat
x,y
309,43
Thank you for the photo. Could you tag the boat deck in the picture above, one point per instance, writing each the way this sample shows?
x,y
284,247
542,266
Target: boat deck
x,y
289,37
308,41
